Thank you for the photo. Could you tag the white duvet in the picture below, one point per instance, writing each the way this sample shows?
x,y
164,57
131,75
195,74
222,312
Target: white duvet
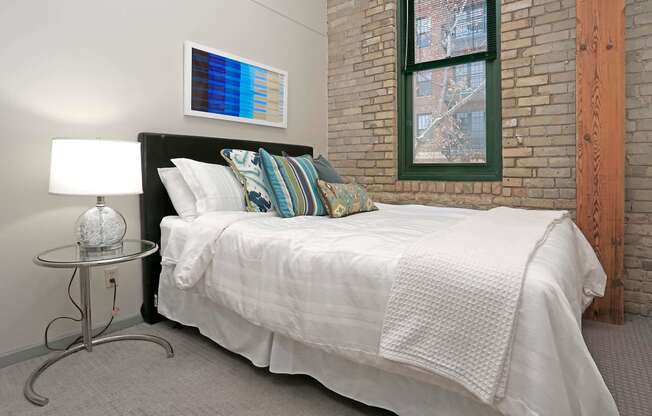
x,y
326,283
453,306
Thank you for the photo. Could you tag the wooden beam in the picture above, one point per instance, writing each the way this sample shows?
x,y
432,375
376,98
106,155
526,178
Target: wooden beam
x,y
600,110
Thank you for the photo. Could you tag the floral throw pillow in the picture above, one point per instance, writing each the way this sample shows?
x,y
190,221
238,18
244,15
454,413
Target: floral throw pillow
x,y
248,169
342,199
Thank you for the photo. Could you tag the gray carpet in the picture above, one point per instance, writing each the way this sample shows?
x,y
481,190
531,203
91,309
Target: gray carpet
x,y
624,356
135,379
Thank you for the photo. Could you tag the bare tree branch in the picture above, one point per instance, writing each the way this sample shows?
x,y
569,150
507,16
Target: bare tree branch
x,y
449,45
450,111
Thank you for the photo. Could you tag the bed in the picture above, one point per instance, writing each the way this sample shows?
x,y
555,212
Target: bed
x,y
308,295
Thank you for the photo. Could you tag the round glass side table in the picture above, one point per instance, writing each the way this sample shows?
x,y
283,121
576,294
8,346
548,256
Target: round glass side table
x,y
71,257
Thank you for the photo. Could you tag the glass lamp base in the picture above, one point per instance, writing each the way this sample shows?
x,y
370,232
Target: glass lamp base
x,y
100,228
99,249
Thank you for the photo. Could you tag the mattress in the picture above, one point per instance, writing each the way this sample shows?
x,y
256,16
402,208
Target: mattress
x,y
318,287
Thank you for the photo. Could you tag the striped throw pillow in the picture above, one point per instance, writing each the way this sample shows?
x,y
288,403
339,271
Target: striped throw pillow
x,y
293,182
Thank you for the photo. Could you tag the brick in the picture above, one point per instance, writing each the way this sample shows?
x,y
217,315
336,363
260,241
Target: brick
x,y
516,44
553,172
518,5
537,100
517,152
517,172
530,81
514,25
532,162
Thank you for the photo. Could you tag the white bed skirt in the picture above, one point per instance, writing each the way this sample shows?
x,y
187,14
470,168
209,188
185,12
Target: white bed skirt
x,y
403,395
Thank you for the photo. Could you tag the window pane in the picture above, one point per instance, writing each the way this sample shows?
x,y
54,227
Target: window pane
x,y
423,32
423,121
424,83
449,124
445,28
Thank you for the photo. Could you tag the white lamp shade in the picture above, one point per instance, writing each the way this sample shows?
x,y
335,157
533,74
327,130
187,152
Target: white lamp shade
x,y
95,167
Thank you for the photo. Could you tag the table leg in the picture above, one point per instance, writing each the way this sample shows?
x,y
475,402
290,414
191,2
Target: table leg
x,y
39,400
88,341
85,292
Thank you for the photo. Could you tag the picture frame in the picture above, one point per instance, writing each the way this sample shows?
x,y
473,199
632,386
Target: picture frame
x,y
224,86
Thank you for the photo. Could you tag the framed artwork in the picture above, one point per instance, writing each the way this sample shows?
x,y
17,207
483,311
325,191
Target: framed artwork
x,y
228,87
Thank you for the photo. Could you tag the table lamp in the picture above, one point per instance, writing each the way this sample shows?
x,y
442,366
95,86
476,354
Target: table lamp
x,y
100,168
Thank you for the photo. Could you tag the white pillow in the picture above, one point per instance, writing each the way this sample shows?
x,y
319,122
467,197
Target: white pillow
x,y
182,198
215,187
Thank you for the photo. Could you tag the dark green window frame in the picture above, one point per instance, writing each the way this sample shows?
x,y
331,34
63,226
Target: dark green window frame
x,y
491,170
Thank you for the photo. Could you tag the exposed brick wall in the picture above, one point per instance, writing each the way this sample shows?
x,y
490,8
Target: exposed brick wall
x,y
638,179
538,106
538,117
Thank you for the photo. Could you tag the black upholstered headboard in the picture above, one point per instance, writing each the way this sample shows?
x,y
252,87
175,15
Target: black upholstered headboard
x,y
157,150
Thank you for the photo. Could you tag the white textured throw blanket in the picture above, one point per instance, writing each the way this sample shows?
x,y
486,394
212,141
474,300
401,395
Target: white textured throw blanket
x,y
453,306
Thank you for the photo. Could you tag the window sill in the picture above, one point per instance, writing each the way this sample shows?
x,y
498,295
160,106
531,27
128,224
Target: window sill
x,y
450,173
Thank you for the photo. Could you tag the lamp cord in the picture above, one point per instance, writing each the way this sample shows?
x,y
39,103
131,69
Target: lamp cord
x,y
81,313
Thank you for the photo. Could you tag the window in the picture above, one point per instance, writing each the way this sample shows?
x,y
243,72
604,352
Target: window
x,y
423,121
449,93
424,83
424,37
470,31
471,23
472,125
470,77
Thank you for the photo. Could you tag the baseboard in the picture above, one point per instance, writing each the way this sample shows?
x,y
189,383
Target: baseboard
x,y
26,353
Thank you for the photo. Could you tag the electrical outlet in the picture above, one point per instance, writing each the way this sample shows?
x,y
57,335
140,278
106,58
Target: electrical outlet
x,y
110,277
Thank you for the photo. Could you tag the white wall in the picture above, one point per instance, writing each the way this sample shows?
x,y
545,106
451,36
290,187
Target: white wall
x,y
91,68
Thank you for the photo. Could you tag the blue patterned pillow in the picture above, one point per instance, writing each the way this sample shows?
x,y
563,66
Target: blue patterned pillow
x,y
247,167
293,183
